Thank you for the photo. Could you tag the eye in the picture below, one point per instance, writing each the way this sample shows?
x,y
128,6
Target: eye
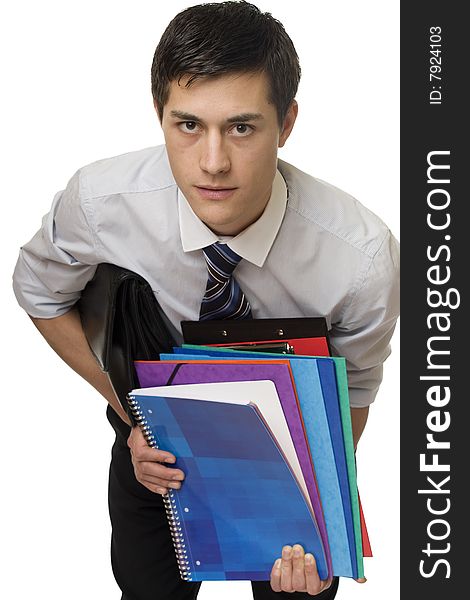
x,y
242,130
188,126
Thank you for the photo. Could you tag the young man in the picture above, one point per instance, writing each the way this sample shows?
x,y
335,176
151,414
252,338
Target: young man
x,y
224,80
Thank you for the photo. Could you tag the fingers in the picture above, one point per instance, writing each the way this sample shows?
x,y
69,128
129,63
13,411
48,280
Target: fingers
x,y
286,569
314,585
142,451
156,477
160,485
298,568
281,573
276,576
297,572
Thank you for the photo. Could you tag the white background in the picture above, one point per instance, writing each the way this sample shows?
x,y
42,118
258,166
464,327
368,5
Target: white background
x,y
76,88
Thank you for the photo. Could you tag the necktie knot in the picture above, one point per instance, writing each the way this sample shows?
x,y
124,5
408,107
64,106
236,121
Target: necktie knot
x,y
223,298
221,261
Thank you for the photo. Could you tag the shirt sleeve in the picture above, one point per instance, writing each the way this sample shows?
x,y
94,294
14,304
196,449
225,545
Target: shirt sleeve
x,y
56,264
363,334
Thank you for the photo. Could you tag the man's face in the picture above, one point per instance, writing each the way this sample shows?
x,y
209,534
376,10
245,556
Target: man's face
x,y
222,136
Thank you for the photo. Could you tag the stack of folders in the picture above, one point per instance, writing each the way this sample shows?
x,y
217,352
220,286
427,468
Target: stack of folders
x,y
257,414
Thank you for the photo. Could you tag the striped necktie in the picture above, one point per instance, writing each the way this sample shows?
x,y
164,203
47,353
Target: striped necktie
x,y
223,298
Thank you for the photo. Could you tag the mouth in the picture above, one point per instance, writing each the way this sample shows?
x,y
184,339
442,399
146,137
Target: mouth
x,y
215,193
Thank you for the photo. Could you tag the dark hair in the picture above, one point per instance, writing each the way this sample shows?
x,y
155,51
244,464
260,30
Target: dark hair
x,y
227,37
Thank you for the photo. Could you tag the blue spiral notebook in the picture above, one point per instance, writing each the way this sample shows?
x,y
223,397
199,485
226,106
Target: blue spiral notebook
x,y
240,503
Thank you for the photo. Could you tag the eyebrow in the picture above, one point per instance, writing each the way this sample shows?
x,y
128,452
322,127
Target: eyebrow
x,y
241,118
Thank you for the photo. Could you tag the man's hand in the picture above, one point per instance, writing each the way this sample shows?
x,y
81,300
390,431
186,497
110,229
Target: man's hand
x,y
148,471
297,572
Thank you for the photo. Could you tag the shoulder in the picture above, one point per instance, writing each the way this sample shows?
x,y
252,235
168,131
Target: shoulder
x,y
140,171
323,207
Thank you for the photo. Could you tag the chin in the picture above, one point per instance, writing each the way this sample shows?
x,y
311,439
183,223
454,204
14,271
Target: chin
x,y
223,226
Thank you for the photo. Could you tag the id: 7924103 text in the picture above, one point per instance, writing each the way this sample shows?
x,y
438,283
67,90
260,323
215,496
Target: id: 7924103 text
x,y
435,65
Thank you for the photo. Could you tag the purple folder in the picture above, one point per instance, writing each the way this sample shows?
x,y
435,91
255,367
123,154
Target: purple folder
x,y
157,373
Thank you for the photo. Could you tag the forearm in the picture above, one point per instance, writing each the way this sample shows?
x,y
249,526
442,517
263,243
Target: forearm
x,y
66,337
359,420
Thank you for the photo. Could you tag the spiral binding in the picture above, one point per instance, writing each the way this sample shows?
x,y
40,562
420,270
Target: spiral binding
x,y
169,499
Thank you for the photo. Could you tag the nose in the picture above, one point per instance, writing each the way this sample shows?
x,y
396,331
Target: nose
x,y
214,157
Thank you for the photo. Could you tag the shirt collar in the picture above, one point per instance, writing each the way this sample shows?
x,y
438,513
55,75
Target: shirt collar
x,y
253,243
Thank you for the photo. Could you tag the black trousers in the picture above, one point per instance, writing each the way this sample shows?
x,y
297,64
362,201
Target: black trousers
x,y
142,553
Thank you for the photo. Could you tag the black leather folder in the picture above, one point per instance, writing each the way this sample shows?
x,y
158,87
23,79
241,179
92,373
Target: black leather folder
x,y
123,322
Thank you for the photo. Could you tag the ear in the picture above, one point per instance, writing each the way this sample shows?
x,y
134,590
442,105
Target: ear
x,y
288,124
